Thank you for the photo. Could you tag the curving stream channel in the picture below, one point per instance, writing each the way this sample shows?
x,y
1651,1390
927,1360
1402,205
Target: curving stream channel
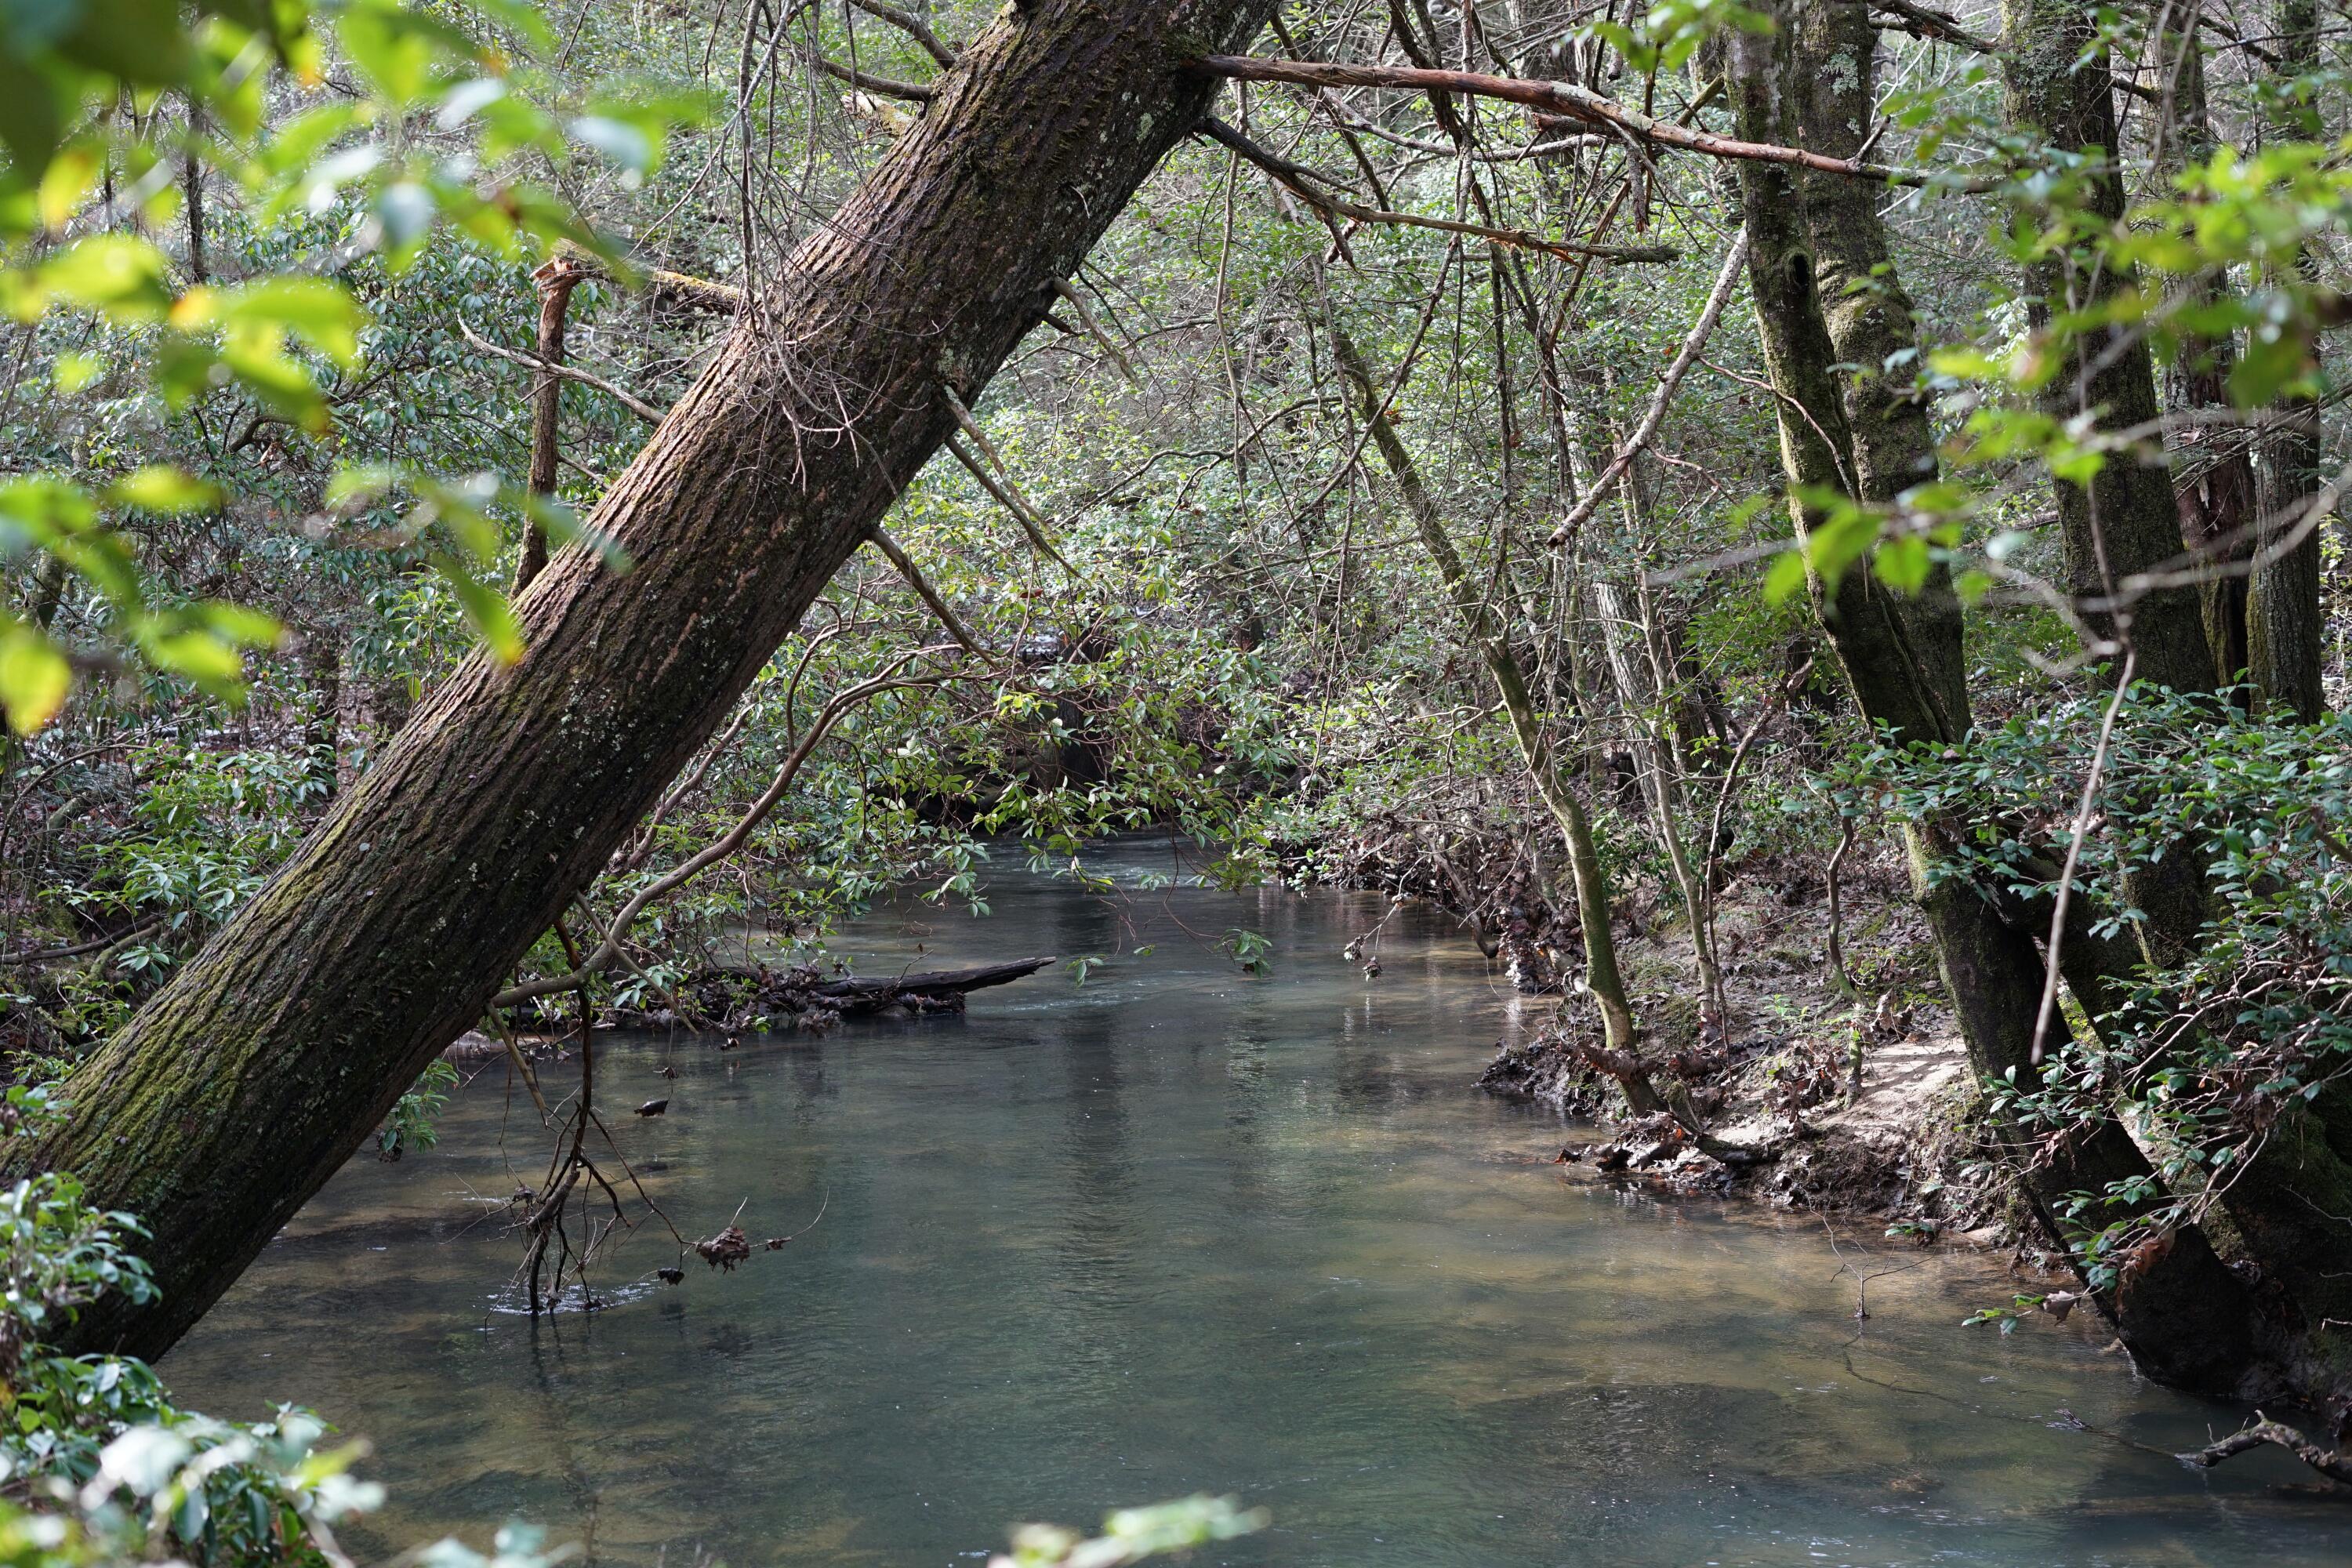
x,y
1186,1230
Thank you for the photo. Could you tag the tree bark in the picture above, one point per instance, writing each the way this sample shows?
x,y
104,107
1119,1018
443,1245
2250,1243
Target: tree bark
x,y
247,1081
2214,476
556,281
1621,1056
2124,521
2185,1317
2285,632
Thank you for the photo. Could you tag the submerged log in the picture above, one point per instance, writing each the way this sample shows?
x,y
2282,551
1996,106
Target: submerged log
x,y
933,988
741,998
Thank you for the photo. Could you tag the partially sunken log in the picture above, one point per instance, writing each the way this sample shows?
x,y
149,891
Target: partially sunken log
x,y
742,998
934,988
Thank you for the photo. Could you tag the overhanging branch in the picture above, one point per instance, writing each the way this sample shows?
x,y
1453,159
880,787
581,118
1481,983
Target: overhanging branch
x,y
1569,101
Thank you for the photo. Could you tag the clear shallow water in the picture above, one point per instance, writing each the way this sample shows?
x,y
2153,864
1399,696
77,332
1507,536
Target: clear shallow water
x,y
1179,1230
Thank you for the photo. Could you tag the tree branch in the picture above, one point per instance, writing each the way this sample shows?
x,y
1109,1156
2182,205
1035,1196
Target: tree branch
x,y
629,400
896,555
1567,99
1293,177
1597,492
912,92
2334,1466
914,26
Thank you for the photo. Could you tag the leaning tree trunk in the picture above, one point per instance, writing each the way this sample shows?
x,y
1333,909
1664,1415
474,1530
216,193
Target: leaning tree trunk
x,y
233,1096
2185,1317
1620,1055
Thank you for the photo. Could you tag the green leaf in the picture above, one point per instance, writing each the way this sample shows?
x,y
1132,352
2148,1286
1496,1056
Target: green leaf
x,y
486,608
321,312
141,41
2272,360
1902,563
34,678
74,371
63,185
395,54
1785,577
32,116
239,625
618,139
203,659
159,488
116,274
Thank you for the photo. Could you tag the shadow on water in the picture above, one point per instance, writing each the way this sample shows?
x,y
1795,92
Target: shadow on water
x,y
1186,1230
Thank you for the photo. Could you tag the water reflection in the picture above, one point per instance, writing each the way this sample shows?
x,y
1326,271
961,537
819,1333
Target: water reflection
x,y
1186,1230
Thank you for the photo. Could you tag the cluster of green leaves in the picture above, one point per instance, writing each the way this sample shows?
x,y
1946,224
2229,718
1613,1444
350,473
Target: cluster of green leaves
x,y
2244,222
2208,1054
1132,1534
110,106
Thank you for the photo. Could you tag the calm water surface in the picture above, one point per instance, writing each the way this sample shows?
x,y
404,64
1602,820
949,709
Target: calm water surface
x,y
1181,1230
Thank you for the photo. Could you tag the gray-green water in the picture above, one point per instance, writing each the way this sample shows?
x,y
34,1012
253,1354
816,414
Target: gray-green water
x,y
1179,1230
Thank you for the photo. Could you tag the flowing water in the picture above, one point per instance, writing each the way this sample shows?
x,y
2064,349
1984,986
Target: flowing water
x,y
1187,1229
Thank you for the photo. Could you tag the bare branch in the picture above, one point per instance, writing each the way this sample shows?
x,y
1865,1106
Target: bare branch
x,y
1725,283
629,400
887,87
1292,176
914,26
1573,102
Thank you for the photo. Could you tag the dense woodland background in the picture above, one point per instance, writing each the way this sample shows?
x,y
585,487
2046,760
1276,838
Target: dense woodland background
x,y
1564,504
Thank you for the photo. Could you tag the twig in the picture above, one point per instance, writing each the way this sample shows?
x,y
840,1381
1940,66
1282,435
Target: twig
x,y
50,955
1288,174
2083,814
1725,283
629,400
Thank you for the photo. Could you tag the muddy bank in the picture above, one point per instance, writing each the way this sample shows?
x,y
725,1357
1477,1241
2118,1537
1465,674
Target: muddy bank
x,y
1857,1095
1839,1062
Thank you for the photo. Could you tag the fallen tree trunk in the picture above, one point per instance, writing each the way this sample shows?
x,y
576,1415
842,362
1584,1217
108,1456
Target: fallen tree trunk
x,y
741,998
849,991
253,1075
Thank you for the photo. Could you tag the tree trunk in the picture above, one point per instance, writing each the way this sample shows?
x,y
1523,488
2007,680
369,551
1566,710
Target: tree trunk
x,y
556,281
322,732
2184,1316
1621,1057
2285,631
2214,478
247,1081
2125,522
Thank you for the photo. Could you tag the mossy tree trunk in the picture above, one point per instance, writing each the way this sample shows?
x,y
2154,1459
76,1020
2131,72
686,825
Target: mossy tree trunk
x,y
246,1082
2184,1315
2285,632
1483,628
2125,522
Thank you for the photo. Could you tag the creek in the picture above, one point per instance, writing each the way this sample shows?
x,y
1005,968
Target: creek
x,y
1184,1228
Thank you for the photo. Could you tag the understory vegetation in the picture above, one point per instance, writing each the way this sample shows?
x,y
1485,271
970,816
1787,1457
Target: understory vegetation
x,y
1807,526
